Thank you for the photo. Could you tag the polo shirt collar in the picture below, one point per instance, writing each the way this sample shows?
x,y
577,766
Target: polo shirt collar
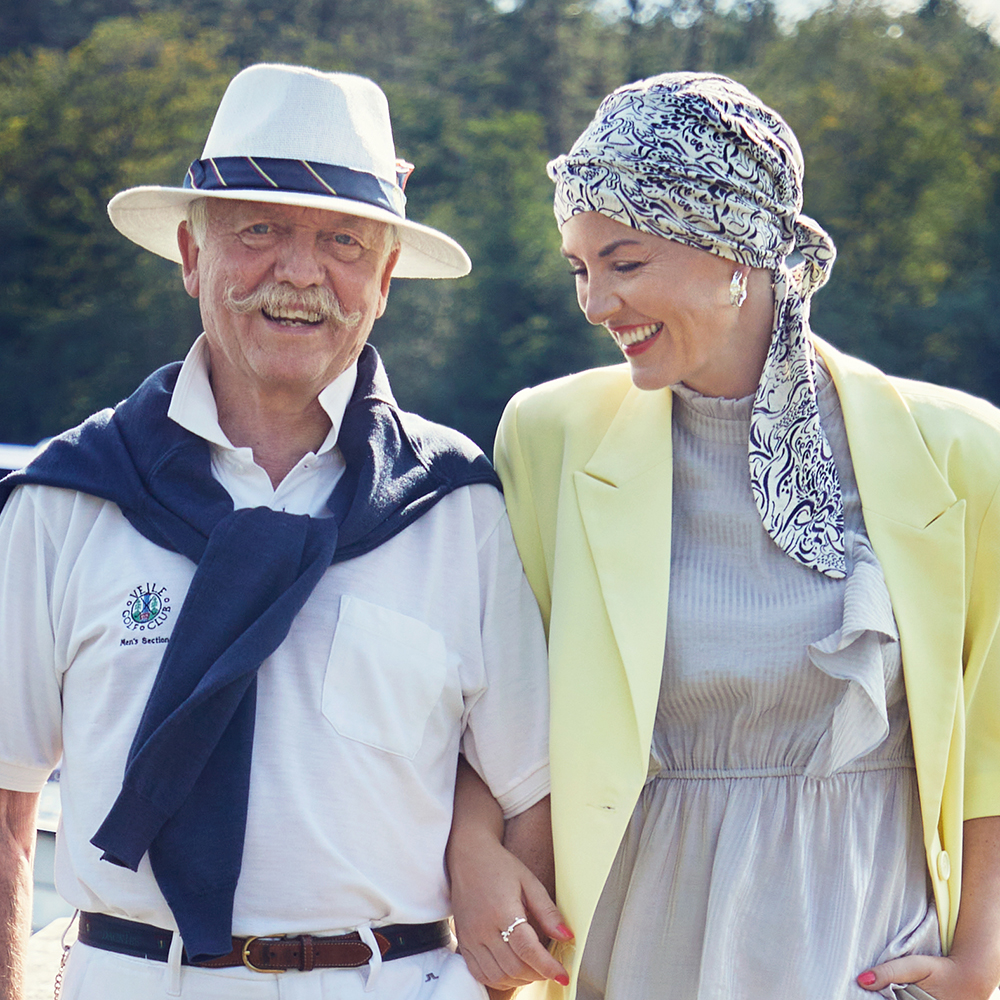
x,y
193,403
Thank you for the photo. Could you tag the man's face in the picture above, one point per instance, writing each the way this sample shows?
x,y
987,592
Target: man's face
x,y
288,295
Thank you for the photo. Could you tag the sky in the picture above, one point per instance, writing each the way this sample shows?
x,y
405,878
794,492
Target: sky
x,y
980,10
792,10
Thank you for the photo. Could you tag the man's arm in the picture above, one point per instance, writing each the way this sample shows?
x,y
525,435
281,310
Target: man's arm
x,y
17,849
500,872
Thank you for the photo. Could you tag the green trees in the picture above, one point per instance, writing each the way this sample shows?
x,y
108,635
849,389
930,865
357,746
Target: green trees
x,y
900,124
84,312
899,120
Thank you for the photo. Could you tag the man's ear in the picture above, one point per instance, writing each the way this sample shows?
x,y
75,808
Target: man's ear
x,y
189,259
390,265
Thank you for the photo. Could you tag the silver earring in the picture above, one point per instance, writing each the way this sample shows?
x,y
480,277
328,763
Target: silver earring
x,y
738,288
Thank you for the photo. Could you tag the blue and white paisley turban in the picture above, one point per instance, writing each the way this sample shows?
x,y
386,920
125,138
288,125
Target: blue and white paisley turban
x,y
696,158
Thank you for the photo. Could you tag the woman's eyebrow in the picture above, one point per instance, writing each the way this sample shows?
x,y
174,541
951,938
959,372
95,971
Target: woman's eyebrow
x,y
605,251
612,247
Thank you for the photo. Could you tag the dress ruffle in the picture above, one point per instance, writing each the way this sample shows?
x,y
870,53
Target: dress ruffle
x,y
863,652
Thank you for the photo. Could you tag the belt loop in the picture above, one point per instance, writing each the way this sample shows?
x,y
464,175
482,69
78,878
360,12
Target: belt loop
x,y
172,973
308,954
375,962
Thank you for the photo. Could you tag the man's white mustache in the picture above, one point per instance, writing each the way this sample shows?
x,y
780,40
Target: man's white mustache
x,y
276,298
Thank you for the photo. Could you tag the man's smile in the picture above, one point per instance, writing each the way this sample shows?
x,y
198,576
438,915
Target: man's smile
x,y
294,317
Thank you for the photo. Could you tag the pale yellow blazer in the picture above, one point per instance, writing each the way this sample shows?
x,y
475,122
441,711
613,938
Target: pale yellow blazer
x,y
586,464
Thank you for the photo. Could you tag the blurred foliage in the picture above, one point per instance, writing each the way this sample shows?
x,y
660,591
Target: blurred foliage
x,y
900,126
899,119
84,312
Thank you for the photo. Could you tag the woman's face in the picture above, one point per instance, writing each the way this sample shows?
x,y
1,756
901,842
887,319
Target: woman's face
x,y
667,306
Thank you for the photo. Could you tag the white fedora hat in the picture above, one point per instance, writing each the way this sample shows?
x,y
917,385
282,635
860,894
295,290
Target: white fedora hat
x,y
289,135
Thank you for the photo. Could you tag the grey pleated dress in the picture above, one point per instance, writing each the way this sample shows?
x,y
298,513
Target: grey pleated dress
x,y
775,852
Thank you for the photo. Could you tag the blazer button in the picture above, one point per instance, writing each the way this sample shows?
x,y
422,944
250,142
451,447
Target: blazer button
x,y
944,866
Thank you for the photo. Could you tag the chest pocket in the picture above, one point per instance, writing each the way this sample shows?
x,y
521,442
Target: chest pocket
x,y
385,674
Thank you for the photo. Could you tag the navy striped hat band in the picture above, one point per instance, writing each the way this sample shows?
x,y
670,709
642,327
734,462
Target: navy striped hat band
x,y
262,173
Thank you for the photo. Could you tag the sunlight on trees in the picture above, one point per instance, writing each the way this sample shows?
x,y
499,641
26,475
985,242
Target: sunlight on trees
x,y
899,118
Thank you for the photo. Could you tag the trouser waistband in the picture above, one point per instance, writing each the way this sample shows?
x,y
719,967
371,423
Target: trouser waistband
x,y
267,953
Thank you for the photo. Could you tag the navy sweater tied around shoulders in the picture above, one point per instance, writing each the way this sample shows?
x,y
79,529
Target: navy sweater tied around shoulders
x,y
187,779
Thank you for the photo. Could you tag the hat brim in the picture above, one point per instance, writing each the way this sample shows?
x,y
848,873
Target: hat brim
x,y
150,216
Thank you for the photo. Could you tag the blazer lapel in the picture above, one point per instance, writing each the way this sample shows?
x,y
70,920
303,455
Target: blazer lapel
x,y
623,494
916,526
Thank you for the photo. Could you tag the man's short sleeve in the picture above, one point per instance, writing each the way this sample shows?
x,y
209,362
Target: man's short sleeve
x,y
30,711
506,739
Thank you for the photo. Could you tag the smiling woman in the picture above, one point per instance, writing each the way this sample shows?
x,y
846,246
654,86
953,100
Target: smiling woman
x,y
768,573
667,306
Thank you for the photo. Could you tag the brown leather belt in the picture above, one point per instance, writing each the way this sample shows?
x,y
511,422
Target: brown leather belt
x,y
270,953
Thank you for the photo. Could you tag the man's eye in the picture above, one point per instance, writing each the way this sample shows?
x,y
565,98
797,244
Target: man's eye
x,y
260,229
345,240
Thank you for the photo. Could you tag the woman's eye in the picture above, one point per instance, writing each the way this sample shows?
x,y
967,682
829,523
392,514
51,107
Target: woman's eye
x,y
625,266
578,272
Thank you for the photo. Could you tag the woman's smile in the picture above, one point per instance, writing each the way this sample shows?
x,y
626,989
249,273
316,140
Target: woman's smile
x,y
635,339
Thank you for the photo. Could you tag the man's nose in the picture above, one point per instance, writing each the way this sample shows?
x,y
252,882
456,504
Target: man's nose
x,y
299,263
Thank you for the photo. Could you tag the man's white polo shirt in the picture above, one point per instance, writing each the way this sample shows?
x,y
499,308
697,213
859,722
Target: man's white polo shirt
x,y
428,644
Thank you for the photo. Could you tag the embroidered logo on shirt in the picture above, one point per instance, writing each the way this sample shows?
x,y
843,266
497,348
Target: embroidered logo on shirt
x,y
147,608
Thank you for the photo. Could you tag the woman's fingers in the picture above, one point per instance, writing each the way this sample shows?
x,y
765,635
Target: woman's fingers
x,y
952,978
487,970
493,894
909,969
534,957
520,960
543,912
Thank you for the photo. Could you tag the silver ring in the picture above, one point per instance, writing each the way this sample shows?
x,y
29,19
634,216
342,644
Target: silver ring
x,y
506,934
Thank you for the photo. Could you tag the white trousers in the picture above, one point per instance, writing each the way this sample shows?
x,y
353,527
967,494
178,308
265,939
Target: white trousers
x,y
93,974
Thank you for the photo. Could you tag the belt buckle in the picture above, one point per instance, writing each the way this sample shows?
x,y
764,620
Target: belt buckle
x,y
245,954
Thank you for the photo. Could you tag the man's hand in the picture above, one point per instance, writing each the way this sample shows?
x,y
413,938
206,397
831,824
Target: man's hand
x,y
17,848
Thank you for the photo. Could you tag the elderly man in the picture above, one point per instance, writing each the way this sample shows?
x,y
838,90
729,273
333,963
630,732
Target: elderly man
x,y
258,611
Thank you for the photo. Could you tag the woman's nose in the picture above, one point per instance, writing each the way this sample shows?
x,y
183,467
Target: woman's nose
x,y
598,301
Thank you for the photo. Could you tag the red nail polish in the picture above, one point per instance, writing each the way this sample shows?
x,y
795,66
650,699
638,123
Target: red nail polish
x,y
562,980
867,979
565,932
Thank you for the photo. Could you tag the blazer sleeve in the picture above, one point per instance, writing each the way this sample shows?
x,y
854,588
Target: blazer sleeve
x,y
515,469
982,672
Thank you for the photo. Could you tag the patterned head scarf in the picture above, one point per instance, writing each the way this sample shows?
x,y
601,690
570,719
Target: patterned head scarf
x,y
695,157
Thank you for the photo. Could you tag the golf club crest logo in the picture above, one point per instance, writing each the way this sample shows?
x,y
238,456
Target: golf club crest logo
x,y
148,607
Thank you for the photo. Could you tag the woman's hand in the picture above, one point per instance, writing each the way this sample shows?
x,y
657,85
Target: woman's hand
x,y
972,970
942,978
492,888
